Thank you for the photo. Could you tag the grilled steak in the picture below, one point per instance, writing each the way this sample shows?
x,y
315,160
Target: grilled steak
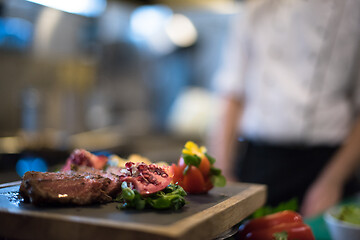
x,y
39,176
113,189
64,188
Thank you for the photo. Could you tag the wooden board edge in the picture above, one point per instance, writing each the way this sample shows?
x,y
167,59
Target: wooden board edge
x,y
31,227
31,221
253,198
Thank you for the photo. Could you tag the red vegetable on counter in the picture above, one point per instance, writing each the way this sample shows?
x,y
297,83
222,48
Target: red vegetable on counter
x,y
195,171
284,225
288,231
270,220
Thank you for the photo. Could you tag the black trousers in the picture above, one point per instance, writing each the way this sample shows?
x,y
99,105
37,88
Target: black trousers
x,y
287,171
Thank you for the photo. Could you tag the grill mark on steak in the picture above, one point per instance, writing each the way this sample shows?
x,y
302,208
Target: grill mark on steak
x,y
69,188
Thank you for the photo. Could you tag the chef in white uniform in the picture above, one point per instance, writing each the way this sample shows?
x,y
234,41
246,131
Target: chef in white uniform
x,y
290,85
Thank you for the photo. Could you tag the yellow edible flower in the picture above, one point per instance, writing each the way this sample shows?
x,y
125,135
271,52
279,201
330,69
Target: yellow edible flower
x,y
192,148
187,151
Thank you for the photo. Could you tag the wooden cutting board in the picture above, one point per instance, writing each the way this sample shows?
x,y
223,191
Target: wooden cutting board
x,y
203,217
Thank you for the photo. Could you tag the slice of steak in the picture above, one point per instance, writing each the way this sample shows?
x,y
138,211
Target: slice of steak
x,y
40,175
114,187
65,188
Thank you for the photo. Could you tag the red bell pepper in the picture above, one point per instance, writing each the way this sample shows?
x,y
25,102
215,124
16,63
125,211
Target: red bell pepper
x,y
288,223
284,231
270,220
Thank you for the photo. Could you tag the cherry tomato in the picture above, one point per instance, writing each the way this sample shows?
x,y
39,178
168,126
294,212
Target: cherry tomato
x,y
196,179
294,230
193,181
208,185
178,174
205,166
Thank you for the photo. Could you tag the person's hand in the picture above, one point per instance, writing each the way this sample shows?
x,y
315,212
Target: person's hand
x,y
321,195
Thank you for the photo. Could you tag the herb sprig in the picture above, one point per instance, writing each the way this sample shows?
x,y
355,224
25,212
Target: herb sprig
x,y
171,197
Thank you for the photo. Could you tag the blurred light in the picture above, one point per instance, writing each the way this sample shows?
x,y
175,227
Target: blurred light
x,y
225,7
181,31
15,33
89,8
147,20
30,164
147,25
102,153
192,112
10,144
46,25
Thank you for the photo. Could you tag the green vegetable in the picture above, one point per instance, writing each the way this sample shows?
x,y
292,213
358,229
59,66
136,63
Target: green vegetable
x,y
292,204
350,214
215,171
281,236
128,194
171,197
139,203
210,158
191,160
218,181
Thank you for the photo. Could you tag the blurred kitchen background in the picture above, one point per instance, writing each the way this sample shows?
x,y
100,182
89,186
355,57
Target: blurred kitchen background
x,y
118,76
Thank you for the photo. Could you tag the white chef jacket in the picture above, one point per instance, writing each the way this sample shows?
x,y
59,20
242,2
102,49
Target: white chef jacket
x,y
296,64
